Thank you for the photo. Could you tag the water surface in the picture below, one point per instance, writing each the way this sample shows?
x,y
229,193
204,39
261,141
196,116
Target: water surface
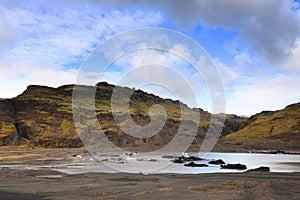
x,y
276,162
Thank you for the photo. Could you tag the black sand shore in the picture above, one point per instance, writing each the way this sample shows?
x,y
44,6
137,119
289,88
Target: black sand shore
x,y
47,184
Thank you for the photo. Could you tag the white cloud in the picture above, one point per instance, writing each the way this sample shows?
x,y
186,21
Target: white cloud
x,y
251,89
243,59
270,27
58,36
293,61
169,74
67,35
8,35
228,75
263,94
15,77
56,39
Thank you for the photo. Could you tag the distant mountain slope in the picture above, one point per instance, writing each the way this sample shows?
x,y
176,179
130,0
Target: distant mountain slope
x,y
270,130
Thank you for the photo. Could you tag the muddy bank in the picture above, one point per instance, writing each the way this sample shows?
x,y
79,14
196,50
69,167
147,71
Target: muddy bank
x,y
44,184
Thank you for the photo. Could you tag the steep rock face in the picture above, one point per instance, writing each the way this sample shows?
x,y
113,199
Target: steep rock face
x,y
9,133
41,116
270,130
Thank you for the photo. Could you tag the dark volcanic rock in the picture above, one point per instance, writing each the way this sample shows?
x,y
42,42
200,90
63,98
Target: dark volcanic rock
x,y
234,166
178,161
192,158
260,169
192,164
216,162
183,159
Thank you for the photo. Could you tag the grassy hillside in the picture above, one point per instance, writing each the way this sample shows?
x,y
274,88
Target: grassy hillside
x,y
43,117
270,130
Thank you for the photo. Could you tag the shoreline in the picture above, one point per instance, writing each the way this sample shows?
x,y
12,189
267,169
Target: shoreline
x,y
228,149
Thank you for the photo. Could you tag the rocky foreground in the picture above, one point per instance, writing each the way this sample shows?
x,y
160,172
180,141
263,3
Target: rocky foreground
x,y
28,184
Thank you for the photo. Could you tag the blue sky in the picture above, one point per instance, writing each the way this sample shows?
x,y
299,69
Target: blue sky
x,y
254,45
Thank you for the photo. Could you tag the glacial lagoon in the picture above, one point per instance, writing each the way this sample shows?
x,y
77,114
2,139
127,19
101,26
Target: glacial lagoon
x,y
83,162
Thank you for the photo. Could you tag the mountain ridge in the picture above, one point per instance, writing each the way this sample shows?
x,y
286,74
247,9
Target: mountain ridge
x,y
42,117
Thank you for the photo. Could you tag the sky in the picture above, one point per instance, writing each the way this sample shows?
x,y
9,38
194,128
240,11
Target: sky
x,y
254,45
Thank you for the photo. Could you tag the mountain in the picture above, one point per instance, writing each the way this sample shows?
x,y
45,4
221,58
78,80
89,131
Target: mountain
x,y
43,117
269,130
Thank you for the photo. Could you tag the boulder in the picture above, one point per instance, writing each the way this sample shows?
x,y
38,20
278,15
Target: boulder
x,y
260,169
178,161
216,162
182,159
234,166
192,164
191,158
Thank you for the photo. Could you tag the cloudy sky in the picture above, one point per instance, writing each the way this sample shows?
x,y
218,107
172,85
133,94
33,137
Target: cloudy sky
x,y
255,45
